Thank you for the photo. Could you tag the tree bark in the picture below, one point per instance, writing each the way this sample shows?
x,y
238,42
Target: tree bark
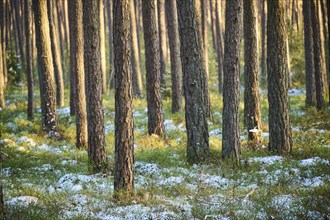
x,y
264,42
75,8
3,28
252,114
155,109
29,65
45,69
231,146
111,59
102,48
2,83
280,139
124,135
193,68
309,54
204,11
220,46
137,78
319,66
56,56
173,36
95,118
162,40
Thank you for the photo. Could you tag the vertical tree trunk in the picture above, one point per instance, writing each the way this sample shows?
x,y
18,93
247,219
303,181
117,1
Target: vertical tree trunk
x,y
328,60
95,118
2,83
204,11
66,26
3,27
162,40
309,54
45,69
29,66
75,8
173,36
137,78
102,48
56,56
264,42
280,139
155,109
124,139
231,146
193,70
319,67
220,47
111,59
19,34
58,13
252,114
213,26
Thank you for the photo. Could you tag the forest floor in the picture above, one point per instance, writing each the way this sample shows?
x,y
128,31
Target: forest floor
x,y
49,179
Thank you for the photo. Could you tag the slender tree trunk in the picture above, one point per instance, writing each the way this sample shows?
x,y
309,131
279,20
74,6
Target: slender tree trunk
x,y
162,40
111,59
45,69
155,109
95,118
309,54
137,78
60,31
29,66
66,26
280,139
220,47
19,34
213,26
252,114
102,48
204,11
193,68
2,87
56,56
173,36
124,135
328,60
75,8
264,42
319,67
231,146
3,29
324,23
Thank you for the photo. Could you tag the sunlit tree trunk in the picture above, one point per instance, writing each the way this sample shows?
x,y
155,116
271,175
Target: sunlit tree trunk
x,y
45,69
151,39
220,46
124,135
92,59
102,49
280,139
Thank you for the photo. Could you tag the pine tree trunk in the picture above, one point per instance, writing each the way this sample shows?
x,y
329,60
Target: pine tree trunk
x,y
92,58
155,109
220,47
162,40
110,27
102,48
252,114
75,8
45,69
173,36
2,83
124,139
193,70
309,54
328,60
29,66
3,28
231,146
137,78
204,11
264,42
280,139
56,56
319,67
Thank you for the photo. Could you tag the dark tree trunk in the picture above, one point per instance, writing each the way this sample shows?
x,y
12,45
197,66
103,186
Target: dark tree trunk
x,y
2,83
3,29
231,146
203,15
45,69
56,56
17,20
309,54
319,66
220,47
155,112
75,8
173,36
252,114
111,59
280,139
137,79
264,42
95,118
29,66
213,25
124,149
162,39
193,71
328,9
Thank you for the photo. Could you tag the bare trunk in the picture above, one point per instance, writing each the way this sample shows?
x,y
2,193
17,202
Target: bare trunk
x,y
102,48
162,40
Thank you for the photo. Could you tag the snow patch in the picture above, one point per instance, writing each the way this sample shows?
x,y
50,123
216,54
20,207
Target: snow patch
x,y
26,140
109,128
215,132
266,160
64,111
313,161
22,201
297,92
149,169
